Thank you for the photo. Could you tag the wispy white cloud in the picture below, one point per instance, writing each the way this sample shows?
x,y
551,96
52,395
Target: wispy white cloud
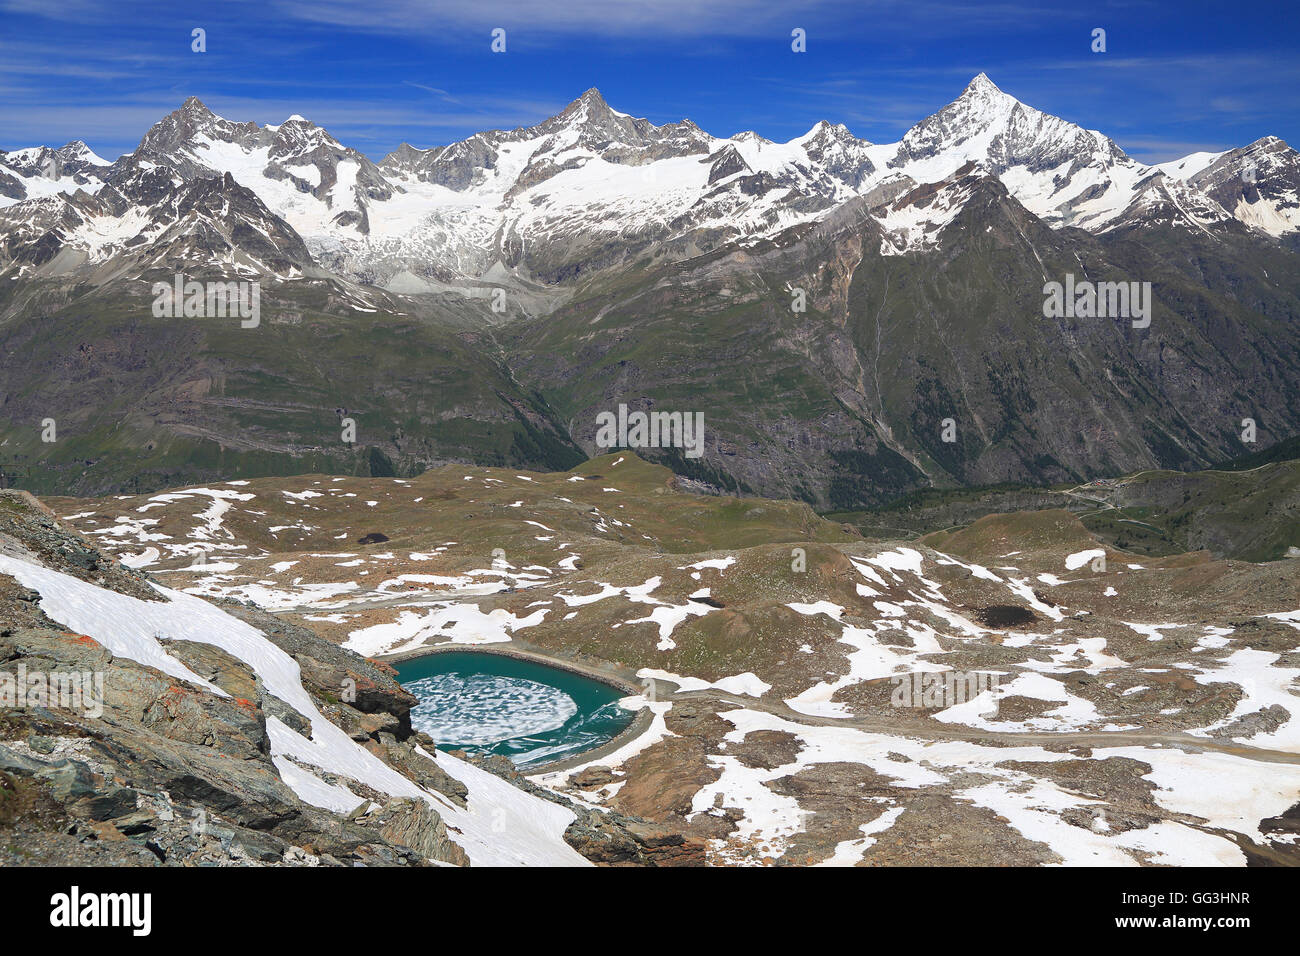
x,y
587,17
441,94
540,19
418,70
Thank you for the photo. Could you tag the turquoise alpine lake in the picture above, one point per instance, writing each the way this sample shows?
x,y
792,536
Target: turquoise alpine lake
x,y
497,704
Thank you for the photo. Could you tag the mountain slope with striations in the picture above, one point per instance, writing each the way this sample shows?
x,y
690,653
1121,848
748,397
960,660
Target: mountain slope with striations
x,y
853,320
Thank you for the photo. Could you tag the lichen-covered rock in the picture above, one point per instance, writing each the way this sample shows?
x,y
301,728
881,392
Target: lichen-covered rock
x,y
414,824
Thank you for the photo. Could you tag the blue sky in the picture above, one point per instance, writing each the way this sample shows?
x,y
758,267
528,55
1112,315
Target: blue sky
x,y
1176,76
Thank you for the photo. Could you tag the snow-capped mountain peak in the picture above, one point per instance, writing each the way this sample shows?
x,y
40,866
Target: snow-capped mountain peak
x,y
591,186
973,120
1259,184
41,171
981,85
590,108
79,152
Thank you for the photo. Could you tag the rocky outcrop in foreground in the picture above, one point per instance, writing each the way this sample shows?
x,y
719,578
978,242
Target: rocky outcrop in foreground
x,y
110,760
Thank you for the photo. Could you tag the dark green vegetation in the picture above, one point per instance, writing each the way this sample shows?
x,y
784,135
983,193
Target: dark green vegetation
x,y
1251,515
141,403
1249,509
1282,451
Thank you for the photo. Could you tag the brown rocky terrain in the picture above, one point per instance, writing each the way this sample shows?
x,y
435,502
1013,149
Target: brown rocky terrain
x,y
1143,710
142,768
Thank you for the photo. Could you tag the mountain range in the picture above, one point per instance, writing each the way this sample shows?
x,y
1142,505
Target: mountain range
x,y
854,320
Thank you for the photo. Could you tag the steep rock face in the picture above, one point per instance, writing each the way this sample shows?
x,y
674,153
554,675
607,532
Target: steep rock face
x,y
1259,184
929,308
986,123
591,188
216,220
42,171
588,123
1063,173
841,154
150,220
725,163
1161,201
74,161
297,155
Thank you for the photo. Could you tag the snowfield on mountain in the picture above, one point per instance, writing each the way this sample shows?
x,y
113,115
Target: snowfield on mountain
x,y
514,287
524,205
